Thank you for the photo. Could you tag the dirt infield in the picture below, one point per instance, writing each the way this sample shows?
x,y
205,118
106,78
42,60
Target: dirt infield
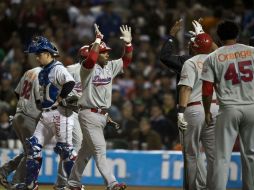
x,y
50,187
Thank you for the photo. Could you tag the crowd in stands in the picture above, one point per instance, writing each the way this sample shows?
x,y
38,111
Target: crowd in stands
x,y
144,97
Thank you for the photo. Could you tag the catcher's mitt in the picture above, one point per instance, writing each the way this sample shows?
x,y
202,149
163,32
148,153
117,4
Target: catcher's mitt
x,y
70,102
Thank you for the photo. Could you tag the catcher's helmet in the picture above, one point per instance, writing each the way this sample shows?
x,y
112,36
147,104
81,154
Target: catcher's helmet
x,y
84,51
201,43
102,48
41,44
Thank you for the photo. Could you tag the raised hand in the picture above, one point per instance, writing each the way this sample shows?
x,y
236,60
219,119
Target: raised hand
x,y
197,27
126,34
98,34
176,28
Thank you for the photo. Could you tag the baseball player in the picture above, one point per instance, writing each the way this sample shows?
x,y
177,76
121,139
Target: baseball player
x,y
230,70
55,84
97,73
71,103
24,123
191,116
175,63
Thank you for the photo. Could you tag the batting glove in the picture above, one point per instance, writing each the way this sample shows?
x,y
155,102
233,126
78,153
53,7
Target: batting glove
x,y
197,27
182,124
10,119
98,34
112,123
126,34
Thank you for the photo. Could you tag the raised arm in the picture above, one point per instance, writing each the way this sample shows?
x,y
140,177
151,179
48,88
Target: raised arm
x,y
167,56
128,49
94,52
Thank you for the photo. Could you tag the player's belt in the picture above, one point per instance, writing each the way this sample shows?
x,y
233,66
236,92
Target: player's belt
x,y
102,111
199,102
98,110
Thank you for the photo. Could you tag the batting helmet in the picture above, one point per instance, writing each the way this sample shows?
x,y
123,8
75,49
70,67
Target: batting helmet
x,y
84,51
102,48
201,43
41,44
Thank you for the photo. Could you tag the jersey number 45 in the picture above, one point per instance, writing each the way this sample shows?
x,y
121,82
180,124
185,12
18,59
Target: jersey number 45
x,y
246,73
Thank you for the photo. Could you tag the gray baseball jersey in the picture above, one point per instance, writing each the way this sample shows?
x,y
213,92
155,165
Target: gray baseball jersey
x,y
74,70
231,69
97,84
96,93
197,131
24,121
191,74
28,90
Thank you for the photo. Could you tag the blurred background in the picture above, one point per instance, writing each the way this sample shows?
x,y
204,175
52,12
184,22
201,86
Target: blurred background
x,y
144,98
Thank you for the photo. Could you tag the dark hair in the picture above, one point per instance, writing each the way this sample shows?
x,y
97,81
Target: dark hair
x,y
227,30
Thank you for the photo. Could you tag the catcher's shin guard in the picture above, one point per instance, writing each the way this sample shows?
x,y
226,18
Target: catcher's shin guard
x,y
33,167
67,154
3,181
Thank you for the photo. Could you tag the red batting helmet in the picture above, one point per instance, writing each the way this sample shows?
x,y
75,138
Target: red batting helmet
x,y
84,51
102,48
201,43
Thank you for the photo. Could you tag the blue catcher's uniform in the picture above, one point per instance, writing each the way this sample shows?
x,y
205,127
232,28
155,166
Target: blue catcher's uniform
x,y
54,121
47,86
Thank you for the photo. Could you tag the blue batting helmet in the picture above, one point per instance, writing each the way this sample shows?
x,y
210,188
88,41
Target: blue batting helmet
x,y
41,44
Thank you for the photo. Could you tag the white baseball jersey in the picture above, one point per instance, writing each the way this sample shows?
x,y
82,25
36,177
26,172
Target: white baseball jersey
x,y
191,74
59,75
28,90
231,69
74,70
97,84
51,80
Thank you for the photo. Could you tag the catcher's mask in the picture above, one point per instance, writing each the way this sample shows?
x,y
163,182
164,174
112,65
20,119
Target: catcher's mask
x,y
41,44
201,43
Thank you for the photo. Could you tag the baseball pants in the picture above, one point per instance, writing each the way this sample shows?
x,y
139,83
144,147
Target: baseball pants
x,y
24,127
231,121
58,123
196,135
93,144
76,140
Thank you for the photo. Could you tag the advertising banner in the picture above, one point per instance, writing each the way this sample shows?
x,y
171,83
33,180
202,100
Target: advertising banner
x,y
136,168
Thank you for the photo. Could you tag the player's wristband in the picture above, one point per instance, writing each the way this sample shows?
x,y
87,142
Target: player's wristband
x,y
128,48
181,109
